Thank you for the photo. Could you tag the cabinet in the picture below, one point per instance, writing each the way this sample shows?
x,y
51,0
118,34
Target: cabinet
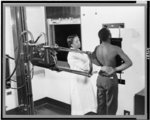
x,y
139,103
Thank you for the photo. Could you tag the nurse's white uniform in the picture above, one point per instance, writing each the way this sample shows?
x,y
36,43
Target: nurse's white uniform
x,y
83,99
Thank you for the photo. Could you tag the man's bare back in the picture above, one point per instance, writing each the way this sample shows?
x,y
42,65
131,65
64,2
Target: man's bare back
x,y
106,54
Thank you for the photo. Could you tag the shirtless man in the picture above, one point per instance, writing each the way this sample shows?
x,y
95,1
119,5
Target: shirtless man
x,y
107,81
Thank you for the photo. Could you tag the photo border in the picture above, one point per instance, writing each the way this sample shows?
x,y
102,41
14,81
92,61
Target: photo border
x,y
76,3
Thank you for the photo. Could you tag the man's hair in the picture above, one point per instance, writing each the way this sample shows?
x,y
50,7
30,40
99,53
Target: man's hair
x,y
70,39
104,34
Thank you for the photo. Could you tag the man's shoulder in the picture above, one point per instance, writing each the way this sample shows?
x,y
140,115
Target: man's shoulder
x,y
115,47
96,48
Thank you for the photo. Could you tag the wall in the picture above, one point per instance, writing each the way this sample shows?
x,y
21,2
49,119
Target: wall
x,y
133,44
10,100
46,83
58,85
35,20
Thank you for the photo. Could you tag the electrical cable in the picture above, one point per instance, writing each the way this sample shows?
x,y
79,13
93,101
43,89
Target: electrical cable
x,y
19,86
37,39
13,70
18,55
25,84
26,31
13,80
40,36
32,41
32,70
16,65
10,57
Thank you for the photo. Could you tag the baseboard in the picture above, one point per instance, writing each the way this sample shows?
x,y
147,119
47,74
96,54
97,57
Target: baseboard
x,y
46,100
53,102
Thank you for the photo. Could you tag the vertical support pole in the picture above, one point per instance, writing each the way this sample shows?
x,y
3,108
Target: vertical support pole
x,y
17,29
23,69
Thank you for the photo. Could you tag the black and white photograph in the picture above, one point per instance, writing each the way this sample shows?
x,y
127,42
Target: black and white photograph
x,y
75,59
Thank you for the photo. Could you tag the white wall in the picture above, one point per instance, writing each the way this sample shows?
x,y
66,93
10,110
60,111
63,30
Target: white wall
x,y
133,44
10,100
48,83
35,20
35,24
58,85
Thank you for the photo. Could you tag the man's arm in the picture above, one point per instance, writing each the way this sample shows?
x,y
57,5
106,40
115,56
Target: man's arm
x,y
94,57
127,62
94,61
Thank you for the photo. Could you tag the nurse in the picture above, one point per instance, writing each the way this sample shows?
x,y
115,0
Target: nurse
x,y
83,99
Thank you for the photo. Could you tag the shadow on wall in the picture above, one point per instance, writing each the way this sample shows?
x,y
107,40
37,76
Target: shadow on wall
x,y
132,33
134,47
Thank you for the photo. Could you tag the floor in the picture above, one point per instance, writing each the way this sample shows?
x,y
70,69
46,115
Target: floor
x,y
45,109
49,109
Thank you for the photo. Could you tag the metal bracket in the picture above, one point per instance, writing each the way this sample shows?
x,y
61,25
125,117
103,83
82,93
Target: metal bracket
x,y
114,25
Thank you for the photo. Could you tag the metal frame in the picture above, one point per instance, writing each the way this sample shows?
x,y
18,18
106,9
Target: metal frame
x,y
88,74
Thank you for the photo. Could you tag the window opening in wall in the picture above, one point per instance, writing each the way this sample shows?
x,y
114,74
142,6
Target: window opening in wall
x,y
60,34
